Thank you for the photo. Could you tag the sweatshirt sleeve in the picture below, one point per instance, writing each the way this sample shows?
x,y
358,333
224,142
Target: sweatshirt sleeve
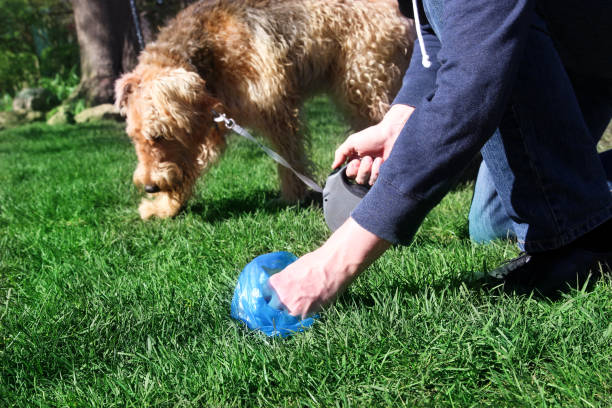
x,y
482,44
419,81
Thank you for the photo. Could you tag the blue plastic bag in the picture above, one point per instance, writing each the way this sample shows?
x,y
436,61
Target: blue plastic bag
x,y
256,304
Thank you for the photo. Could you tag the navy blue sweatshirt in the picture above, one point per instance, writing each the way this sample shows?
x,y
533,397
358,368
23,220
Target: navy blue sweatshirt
x,y
460,100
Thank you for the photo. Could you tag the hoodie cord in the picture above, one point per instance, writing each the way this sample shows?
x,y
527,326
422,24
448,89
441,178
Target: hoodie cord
x,y
425,58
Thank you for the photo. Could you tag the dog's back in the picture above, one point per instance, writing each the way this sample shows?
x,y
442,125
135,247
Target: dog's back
x,y
267,50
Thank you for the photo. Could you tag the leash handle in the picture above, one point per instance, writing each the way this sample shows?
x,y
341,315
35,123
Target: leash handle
x,y
232,125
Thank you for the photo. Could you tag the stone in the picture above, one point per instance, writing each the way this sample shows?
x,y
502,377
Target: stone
x,y
35,116
605,143
34,99
9,119
62,116
105,111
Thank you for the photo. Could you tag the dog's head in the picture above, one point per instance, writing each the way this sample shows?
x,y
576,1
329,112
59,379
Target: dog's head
x,y
170,121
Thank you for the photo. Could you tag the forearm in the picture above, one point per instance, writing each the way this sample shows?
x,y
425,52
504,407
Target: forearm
x,y
353,248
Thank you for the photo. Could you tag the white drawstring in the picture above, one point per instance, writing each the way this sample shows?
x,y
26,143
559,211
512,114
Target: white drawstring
x,y
425,58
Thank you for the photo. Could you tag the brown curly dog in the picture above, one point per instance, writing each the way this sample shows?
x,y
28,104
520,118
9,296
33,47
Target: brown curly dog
x,y
256,61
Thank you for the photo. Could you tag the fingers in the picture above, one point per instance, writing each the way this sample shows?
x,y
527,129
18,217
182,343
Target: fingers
x,y
363,174
350,148
290,294
342,153
375,170
364,170
353,168
275,302
362,166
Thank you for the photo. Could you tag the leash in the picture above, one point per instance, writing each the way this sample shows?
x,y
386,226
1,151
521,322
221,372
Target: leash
x,y
137,24
232,125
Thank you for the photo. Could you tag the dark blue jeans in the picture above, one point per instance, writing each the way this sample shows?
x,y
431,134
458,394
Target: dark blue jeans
x,y
542,180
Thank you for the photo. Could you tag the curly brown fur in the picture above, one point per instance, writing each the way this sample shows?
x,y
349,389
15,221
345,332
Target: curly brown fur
x,y
257,61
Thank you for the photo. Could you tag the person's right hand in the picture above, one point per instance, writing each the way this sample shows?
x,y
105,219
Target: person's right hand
x,y
369,148
317,278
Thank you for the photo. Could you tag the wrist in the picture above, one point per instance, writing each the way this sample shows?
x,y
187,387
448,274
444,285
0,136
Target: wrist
x,y
396,117
352,248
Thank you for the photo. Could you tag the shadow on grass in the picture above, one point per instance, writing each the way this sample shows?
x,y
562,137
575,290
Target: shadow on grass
x,y
261,201
416,288
480,285
220,209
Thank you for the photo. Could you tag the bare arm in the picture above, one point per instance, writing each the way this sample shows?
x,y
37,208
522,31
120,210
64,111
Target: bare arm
x,y
317,278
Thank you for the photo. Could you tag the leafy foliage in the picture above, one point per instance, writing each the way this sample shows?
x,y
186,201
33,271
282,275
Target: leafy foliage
x,y
5,102
37,40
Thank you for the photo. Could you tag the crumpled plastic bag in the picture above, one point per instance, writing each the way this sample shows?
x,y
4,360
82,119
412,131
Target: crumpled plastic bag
x,y
256,303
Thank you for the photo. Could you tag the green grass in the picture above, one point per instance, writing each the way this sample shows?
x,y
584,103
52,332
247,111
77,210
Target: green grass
x,y
98,308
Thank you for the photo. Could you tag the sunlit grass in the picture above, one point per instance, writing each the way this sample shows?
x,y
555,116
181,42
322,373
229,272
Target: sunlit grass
x,y
98,308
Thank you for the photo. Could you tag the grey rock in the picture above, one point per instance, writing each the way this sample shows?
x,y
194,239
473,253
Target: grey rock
x,y
62,116
105,111
10,119
35,116
34,99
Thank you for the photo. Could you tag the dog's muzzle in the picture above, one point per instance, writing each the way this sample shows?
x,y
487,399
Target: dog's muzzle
x,y
340,197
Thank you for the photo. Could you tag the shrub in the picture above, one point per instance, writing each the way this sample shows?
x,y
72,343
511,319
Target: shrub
x,y
6,103
62,84
37,40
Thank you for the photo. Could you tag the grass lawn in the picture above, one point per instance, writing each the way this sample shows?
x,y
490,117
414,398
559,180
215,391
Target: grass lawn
x,y
98,308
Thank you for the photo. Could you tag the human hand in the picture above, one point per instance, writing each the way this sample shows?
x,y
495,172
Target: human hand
x,y
369,148
317,278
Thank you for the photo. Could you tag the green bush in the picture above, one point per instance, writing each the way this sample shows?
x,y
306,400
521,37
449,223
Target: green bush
x,y
38,45
5,102
62,84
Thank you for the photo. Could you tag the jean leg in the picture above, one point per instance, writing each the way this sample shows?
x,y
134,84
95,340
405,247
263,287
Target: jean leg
x,y
543,161
488,220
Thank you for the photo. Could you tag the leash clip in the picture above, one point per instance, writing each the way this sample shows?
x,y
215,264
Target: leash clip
x,y
221,117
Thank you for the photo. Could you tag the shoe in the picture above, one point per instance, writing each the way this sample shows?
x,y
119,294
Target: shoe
x,y
552,272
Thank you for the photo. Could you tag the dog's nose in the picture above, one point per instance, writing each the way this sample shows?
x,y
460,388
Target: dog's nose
x,y
152,188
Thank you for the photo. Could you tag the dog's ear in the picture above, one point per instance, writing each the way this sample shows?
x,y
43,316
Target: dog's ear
x,y
124,86
176,102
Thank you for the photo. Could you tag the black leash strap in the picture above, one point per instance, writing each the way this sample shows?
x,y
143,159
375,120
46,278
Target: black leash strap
x,y
137,25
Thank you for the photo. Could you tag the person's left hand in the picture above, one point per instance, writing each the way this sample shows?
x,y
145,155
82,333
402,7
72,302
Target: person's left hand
x,y
366,150
317,278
